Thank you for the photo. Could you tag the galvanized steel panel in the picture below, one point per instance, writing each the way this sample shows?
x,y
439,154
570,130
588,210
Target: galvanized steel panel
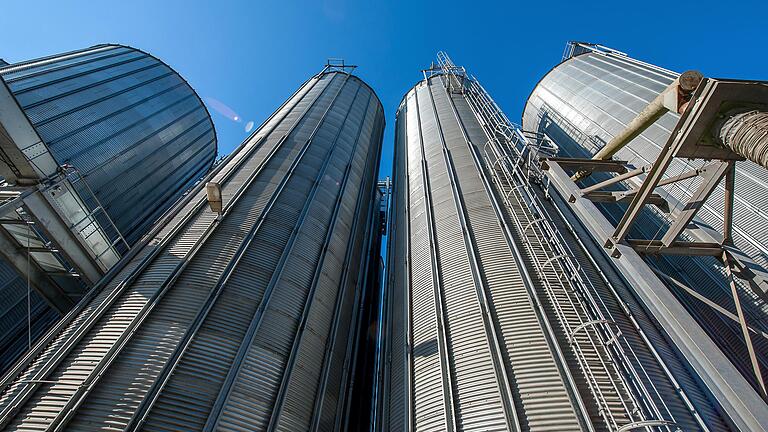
x,y
130,124
453,268
586,100
238,311
470,394
126,120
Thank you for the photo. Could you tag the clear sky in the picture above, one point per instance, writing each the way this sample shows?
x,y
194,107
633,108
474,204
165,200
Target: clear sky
x,y
250,56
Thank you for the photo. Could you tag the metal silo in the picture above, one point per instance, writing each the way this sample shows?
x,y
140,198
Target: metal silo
x,y
590,97
126,134
498,317
239,319
18,317
129,123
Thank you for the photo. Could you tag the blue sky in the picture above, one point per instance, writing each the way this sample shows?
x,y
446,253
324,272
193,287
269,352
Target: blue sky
x,y
253,55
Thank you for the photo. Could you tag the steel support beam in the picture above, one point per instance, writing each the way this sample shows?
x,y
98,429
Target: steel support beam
x,y
38,279
24,157
618,196
706,237
737,398
744,328
656,247
593,192
749,270
712,174
645,190
730,182
591,164
52,225
693,293
616,179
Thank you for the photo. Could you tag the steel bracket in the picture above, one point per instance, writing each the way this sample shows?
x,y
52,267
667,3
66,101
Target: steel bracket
x,y
739,400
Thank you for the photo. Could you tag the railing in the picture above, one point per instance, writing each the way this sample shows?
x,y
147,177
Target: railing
x,y
512,158
549,117
96,218
574,48
70,193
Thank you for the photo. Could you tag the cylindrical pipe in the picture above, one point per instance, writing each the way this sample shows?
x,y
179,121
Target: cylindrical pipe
x,y
652,112
746,134
683,87
676,95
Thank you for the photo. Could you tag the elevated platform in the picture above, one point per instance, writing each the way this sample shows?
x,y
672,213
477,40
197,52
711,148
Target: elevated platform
x,y
53,230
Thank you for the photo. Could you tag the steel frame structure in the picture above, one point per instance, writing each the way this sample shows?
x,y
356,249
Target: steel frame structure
x,y
741,403
691,138
68,240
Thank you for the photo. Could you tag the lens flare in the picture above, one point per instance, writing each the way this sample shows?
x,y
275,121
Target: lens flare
x,y
249,126
221,108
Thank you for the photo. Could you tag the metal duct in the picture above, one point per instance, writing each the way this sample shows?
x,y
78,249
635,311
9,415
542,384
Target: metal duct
x,y
747,135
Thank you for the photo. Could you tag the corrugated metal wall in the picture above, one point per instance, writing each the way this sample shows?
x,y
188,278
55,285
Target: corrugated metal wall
x,y
473,343
582,103
130,124
241,323
14,329
593,96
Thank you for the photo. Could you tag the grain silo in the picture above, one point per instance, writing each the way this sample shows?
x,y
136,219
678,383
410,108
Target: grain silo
x,y
592,96
498,315
108,137
130,124
241,318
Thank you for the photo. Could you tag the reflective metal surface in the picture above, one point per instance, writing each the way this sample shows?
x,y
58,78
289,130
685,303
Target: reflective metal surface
x,y
498,317
590,97
126,123
238,321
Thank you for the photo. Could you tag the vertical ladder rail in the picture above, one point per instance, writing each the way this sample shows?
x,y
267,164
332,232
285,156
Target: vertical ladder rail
x,y
516,177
